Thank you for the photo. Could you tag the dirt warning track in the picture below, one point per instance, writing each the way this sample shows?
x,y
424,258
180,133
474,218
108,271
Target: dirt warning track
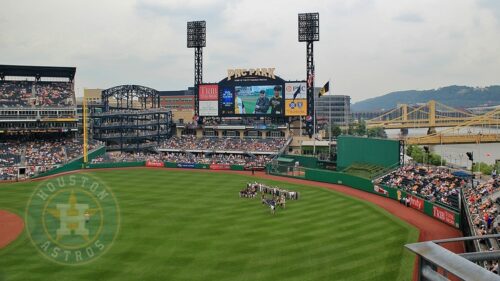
x,y
11,226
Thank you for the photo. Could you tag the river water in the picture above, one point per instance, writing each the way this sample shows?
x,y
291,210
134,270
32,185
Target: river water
x,y
456,153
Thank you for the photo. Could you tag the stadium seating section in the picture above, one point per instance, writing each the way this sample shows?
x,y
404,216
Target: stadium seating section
x,y
483,203
363,170
224,144
37,155
181,157
431,183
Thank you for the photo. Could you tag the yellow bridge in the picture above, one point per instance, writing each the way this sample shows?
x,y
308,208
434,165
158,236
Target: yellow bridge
x,y
462,126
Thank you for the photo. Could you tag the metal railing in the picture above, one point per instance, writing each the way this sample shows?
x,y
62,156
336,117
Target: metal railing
x,y
437,263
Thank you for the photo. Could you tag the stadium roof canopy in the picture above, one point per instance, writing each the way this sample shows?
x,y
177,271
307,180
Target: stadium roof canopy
x,y
37,71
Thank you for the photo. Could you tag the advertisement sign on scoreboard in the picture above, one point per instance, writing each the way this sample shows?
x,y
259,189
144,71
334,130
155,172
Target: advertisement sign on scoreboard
x,y
209,100
295,99
227,101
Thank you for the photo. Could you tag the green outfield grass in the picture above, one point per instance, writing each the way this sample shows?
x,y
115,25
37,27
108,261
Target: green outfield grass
x,y
187,225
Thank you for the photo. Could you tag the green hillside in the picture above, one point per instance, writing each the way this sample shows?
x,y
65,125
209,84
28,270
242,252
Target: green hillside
x,y
455,96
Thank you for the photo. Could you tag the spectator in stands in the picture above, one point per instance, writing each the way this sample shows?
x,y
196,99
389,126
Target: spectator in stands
x,y
494,267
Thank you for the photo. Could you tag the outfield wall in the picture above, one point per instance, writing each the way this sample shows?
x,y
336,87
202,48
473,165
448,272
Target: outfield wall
x,y
432,209
166,165
304,161
381,152
116,165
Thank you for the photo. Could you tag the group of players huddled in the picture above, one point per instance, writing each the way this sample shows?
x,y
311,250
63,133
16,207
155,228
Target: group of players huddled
x,y
278,195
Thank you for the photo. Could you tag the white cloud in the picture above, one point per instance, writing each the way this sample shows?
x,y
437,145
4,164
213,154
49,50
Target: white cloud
x,y
367,48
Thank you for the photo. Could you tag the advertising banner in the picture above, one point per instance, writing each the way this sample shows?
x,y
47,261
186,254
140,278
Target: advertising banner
x,y
443,215
220,167
255,168
416,203
296,99
209,108
227,101
209,92
154,164
208,100
380,190
185,165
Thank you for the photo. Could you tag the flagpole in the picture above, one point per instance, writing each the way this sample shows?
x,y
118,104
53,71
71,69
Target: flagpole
x,y
329,123
314,121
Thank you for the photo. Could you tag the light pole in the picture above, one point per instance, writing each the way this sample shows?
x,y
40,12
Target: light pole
x,y
308,27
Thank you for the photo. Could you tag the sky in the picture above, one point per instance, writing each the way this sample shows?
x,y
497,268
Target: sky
x,y
367,48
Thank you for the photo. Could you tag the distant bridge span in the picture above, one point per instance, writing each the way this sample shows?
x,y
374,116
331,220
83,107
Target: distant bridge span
x,y
430,115
434,114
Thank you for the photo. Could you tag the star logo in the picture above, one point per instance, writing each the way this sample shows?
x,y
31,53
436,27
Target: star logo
x,y
73,218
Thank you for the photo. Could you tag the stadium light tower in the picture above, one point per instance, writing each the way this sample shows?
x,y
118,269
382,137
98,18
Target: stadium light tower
x,y
309,32
197,39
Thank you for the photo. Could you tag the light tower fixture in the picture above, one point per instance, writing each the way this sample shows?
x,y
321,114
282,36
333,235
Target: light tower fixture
x,y
308,28
197,39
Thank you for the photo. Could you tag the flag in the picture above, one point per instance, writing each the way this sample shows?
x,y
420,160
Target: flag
x,y
310,80
296,93
325,89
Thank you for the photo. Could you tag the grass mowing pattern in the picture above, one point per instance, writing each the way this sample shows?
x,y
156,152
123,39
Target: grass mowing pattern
x,y
187,225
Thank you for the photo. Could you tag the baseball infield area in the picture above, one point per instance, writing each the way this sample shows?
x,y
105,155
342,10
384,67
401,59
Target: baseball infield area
x,y
192,225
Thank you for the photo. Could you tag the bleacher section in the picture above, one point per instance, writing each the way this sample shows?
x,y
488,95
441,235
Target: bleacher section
x,y
29,103
364,170
228,145
38,155
430,183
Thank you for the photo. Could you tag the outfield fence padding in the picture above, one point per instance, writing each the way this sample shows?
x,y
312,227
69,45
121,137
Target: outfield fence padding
x,y
116,165
304,161
440,212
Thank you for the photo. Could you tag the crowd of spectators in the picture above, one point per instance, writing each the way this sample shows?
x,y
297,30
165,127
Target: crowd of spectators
x,y
182,157
224,144
483,203
36,94
38,155
431,183
9,154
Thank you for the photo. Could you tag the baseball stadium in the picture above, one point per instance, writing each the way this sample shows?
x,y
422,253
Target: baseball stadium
x,y
242,187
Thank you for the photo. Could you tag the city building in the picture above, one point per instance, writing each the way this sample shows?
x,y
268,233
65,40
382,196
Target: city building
x,y
333,109
178,100
94,104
